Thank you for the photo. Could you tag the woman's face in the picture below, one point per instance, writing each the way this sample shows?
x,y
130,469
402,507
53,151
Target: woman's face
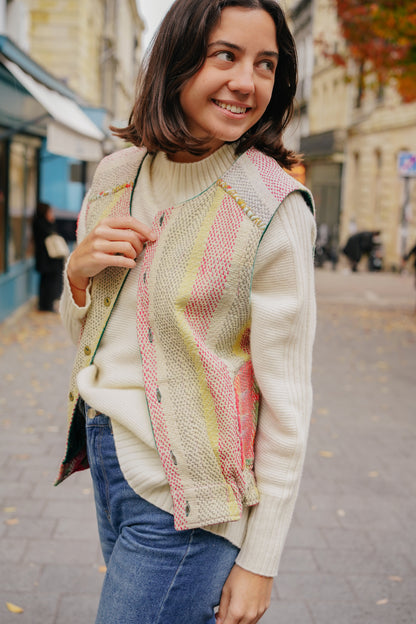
x,y
232,90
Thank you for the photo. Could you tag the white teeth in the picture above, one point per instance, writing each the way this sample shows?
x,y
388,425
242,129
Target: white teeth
x,y
231,107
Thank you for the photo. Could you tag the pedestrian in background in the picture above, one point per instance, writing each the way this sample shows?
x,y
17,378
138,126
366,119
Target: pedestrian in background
x,y
407,257
190,296
361,244
50,269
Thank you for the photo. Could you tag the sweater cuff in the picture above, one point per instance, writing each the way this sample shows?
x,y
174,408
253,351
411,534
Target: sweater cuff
x,y
267,529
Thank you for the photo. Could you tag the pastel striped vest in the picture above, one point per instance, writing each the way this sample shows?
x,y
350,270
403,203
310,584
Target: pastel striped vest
x,y
193,329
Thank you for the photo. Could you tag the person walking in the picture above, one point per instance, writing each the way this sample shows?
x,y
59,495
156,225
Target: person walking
x,y
50,269
190,296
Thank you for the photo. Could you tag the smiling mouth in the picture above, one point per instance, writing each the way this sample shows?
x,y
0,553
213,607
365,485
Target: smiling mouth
x,y
240,110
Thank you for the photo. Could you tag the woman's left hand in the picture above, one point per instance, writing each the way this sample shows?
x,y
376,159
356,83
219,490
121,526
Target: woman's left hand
x,y
245,597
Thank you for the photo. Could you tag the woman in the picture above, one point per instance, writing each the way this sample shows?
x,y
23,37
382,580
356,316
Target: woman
x,y
50,269
191,298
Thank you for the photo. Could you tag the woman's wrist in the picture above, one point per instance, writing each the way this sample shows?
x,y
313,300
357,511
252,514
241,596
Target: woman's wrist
x,y
78,284
77,287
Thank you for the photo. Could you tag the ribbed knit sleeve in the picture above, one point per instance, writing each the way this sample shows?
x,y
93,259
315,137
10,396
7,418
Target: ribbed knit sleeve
x,y
282,335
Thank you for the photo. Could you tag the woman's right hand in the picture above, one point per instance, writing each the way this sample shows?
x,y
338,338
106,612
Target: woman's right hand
x,y
115,241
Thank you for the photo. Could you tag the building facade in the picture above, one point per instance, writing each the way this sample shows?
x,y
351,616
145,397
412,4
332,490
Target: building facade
x,y
58,97
91,45
351,139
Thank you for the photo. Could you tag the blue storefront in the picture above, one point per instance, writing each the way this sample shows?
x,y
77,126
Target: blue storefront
x,y
47,145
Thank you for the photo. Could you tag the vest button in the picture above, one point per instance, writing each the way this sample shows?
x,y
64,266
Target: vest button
x,y
107,302
173,458
144,277
71,396
87,350
161,220
150,335
187,509
158,396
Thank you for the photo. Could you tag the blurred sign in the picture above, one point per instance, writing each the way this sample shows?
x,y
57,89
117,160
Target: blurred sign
x,y
406,164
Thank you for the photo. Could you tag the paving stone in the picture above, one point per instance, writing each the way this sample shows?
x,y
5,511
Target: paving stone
x,y
306,537
297,560
11,490
38,608
70,528
283,611
395,589
32,528
76,509
77,608
70,579
348,539
12,550
351,561
23,507
17,577
314,587
67,552
341,613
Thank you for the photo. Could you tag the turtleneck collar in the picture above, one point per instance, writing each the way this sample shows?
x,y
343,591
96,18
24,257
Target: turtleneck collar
x,y
182,181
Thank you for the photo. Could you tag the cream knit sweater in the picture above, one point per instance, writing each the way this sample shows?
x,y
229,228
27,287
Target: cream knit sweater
x,y
282,333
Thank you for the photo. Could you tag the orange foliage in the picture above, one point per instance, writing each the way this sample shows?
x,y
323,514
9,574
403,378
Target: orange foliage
x,y
382,37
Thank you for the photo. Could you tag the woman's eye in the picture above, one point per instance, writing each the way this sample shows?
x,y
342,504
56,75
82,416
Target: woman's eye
x,y
267,65
225,55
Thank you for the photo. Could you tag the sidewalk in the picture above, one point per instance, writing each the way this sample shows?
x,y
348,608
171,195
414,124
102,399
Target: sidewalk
x,y
351,552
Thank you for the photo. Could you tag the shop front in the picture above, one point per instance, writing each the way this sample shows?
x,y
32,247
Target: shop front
x,y
45,136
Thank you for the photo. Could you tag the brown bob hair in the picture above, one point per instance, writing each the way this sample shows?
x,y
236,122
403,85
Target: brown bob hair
x,y
178,52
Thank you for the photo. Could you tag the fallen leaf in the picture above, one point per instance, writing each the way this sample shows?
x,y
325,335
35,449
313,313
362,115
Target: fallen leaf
x,y
102,569
14,608
341,513
12,521
395,579
9,509
373,474
323,411
326,454
382,602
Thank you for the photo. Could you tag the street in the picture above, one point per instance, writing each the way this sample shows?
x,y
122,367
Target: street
x,y
351,551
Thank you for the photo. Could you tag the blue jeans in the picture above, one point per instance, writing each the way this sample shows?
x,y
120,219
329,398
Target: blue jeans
x,y
155,574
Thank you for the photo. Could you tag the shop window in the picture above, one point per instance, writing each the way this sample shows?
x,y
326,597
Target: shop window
x,y
3,191
22,200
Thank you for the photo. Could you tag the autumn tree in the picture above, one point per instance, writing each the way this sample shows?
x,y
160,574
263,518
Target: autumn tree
x,y
381,38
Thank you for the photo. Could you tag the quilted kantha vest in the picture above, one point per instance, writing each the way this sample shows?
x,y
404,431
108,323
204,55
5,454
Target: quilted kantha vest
x,y
193,330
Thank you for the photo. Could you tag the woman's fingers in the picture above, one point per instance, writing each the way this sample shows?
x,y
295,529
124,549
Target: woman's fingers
x,y
115,241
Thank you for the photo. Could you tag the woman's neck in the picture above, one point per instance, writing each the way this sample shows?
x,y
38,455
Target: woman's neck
x,y
187,157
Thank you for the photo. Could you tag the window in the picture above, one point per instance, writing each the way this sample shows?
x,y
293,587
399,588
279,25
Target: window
x,y
22,199
3,192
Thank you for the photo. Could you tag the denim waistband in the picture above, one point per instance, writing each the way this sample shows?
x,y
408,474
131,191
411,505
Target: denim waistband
x,y
94,418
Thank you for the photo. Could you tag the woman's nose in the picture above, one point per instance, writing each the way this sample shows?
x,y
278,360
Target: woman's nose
x,y
242,79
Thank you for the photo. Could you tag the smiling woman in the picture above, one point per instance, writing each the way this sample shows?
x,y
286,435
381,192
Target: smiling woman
x,y
190,297
233,88
180,50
